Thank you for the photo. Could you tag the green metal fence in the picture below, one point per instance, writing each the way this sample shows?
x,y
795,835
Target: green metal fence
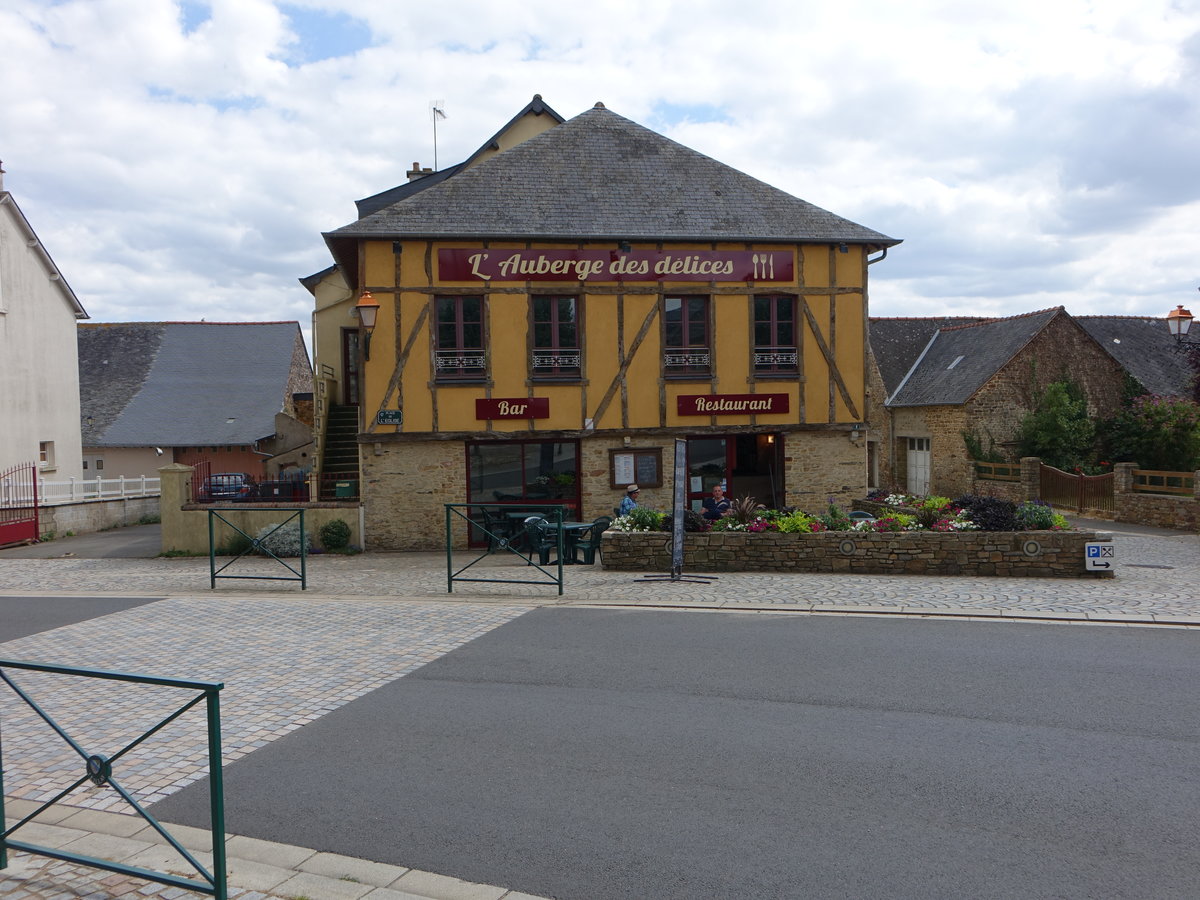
x,y
504,535
98,769
256,545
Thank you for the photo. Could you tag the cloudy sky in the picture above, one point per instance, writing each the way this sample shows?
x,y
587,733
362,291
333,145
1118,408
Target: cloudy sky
x,y
181,159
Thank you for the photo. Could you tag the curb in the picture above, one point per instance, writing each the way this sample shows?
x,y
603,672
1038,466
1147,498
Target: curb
x,y
257,870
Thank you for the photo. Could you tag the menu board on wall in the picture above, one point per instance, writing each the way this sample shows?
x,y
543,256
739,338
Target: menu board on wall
x,y
642,467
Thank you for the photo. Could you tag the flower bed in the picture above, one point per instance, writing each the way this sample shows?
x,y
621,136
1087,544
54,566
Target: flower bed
x,y
1045,554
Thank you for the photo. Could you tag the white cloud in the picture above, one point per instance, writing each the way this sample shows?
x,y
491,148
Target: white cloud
x,y
1028,153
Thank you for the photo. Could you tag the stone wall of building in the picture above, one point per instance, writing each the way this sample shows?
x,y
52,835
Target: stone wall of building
x,y
823,464
1063,350
1035,554
407,485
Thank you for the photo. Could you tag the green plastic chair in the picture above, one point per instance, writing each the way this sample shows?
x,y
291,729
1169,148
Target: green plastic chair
x,y
590,545
542,538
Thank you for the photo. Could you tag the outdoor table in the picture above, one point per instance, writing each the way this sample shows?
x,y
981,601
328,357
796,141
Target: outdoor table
x,y
572,532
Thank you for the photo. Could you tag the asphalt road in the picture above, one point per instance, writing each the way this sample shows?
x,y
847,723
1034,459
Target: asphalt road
x,y
133,542
622,754
22,616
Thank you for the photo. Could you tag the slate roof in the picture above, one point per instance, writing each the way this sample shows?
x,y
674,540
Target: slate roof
x,y
600,176
183,383
379,201
1145,348
960,359
897,343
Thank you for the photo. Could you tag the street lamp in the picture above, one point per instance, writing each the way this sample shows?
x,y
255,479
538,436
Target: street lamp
x,y
367,309
1179,321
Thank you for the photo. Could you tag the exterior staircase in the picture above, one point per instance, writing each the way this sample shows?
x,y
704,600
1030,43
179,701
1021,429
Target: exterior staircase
x,y
339,457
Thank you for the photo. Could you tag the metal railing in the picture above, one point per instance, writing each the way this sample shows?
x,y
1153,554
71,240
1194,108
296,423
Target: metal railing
x,y
74,490
98,769
256,545
505,532
776,359
989,471
1148,481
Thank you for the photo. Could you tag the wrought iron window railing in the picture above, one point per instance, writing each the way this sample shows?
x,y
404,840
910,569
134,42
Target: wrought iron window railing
x,y
460,363
776,359
687,361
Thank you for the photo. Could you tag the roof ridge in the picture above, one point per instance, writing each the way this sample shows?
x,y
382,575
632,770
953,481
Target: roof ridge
x,y
1036,312
177,322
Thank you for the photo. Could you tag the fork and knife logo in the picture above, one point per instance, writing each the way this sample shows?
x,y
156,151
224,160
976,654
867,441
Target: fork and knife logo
x,y
764,265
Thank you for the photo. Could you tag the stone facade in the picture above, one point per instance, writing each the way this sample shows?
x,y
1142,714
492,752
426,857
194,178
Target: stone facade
x,y
1061,350
411,481
1035,554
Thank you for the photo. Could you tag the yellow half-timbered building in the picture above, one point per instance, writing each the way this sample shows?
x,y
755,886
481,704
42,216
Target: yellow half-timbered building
x,y
555,312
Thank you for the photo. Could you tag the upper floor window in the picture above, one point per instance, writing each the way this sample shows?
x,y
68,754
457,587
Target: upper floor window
x,y
775,347
556,345
687,350
459,351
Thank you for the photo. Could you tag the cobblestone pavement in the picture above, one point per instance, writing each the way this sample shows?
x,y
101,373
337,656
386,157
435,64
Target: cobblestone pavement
x,y
1155,574
289,656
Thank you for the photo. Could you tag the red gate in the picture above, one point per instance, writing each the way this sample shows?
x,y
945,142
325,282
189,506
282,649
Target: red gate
x,y
1081,492
18,505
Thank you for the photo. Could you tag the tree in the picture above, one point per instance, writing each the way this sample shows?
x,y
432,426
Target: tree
x,y
1161,433
1059,429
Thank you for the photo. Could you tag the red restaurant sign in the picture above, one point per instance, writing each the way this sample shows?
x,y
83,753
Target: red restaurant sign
x,y
614,265
731,404
513,408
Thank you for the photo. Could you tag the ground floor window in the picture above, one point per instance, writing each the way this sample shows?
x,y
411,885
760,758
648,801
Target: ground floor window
x,y
746,465
523,471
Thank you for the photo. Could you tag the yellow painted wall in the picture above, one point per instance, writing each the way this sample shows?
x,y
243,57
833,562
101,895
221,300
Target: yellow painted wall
x,y
829,283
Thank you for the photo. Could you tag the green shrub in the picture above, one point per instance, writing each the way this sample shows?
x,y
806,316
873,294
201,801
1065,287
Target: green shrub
x,y
798,522
237,544
1035,515
283,540
335,535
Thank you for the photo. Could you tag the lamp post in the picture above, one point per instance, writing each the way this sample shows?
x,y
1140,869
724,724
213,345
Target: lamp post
x,y
367,309
1179,321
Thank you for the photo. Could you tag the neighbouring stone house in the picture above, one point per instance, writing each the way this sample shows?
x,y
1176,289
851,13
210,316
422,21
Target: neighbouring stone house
x,y
238,395
556,312
943,379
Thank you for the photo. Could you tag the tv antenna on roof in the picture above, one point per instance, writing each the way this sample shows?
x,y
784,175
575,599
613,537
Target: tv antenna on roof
x,y
437,110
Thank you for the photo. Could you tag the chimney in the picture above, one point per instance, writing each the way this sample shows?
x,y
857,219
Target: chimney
x,y
417,172
1,176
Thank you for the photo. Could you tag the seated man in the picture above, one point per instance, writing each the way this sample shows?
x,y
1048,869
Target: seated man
x,y
716,506
629,501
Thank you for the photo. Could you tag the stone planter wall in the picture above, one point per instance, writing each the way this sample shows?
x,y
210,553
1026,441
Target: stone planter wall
x,y
1041,554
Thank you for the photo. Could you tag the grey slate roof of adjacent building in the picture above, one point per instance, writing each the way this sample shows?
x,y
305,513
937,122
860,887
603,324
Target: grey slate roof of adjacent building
x,y
959,360
897,343
600,176
184,383
1145,348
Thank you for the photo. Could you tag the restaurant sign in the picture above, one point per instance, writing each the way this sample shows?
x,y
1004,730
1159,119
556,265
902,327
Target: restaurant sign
x,y
513,408
614,265
731,404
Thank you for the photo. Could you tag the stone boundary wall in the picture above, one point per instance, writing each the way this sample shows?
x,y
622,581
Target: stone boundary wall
x,y
1159,510
1034,554
88,516
185,524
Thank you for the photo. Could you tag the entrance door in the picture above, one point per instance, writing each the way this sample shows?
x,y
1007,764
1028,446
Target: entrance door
x,y
747,464
918,466
350,379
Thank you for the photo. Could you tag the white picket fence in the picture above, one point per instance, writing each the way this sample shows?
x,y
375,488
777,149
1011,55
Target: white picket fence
x,y
52,493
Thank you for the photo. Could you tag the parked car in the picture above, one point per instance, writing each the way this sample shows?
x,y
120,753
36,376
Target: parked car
x,y
228,486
